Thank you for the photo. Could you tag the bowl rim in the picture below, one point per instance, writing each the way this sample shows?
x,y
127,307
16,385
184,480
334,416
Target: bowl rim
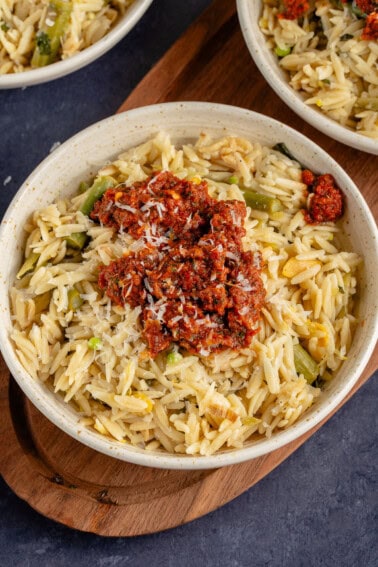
x,y
67,66
166,460
259,51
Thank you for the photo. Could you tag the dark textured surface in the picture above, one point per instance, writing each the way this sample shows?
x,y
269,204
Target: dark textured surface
x,y
318,508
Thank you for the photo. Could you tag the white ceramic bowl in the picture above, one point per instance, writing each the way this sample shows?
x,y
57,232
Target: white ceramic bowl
x,y
249,12
80,157
62,68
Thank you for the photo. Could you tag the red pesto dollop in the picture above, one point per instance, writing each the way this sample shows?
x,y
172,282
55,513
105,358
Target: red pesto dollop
x,y
196,285
325,200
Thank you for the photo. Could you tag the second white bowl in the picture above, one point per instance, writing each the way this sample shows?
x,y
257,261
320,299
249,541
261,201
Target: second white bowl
x,y
249,13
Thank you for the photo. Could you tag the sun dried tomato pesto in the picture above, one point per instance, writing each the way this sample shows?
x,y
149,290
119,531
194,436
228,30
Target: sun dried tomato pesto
x,y
325,202
196,285
370,31
293,9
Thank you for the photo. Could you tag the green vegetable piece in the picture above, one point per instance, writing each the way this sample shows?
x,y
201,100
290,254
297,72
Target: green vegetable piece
x,y
282,51
48,39
173,357
4,26
95,192
261,202
75,300
281,147
41,302
346,36
305,364
43,43
94,343
28,266
76,240
83,186
233,180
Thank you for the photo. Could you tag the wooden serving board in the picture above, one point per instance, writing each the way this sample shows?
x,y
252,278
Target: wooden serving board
x,y
86,490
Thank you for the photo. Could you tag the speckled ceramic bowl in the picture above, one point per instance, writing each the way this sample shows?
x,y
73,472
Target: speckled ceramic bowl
x,y
80,157
249,12
62,68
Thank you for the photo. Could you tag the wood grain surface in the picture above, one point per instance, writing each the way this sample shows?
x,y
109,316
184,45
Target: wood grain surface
x,y
86,490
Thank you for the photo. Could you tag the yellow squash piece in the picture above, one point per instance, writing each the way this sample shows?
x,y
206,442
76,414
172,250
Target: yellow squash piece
x,y
293,267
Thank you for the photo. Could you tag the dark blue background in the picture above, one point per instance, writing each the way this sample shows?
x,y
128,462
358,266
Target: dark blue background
x,y
318,508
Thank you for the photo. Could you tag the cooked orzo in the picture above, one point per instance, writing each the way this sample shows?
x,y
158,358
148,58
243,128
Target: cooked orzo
x,y
329,49
35,33
234,355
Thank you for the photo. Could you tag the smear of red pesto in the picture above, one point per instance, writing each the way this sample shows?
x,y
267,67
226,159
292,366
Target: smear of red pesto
x,y
325,199
196,285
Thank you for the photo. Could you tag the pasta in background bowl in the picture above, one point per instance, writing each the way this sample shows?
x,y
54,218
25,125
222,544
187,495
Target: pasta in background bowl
x,y
330,82
41,41
164,135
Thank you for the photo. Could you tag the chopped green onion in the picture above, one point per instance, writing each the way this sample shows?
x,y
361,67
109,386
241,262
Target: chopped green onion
x,y
4,26
282,51
28,266
94,343
305,364
233,180
173,357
